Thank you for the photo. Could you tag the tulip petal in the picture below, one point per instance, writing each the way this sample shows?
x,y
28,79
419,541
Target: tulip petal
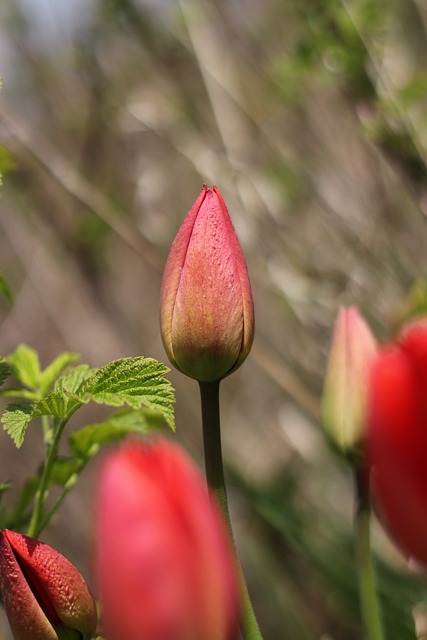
x,y
206,310
344,401
164,566
26,617
397,449
53,591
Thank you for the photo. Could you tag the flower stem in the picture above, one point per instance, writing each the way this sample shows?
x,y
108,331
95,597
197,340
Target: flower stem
x,y
209,393
34,528
368,595
38,520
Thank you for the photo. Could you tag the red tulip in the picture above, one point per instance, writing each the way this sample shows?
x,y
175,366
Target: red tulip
x,y
206,308
164,567
45,596
397,439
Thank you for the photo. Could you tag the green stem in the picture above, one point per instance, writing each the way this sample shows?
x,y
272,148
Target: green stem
x,y
66,490
209,393
47,430
35,527
368,595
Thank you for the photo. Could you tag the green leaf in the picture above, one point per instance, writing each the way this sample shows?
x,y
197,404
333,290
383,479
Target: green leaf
x,y
4,486
24,394
19,517
56,367
5,370
70,382
64,471
53,405
26,366
15,420
5,289
16,417
74,378
134,381
86,442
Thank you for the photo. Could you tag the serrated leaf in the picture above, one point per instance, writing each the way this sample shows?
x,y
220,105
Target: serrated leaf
x,y
68,384
134,381
15,420
55,368
25,366
5,370
5,288
86,442
16,417
73,379
53,405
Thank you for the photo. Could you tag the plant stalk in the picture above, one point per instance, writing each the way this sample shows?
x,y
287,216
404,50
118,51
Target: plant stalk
x,y
368,595
209,393
38,521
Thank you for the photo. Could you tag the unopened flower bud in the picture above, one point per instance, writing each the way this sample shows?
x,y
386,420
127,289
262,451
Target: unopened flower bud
x,y
206,306
345,394
165,568
45,596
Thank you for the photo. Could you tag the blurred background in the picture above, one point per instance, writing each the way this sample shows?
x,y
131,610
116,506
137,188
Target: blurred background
x,y
310,116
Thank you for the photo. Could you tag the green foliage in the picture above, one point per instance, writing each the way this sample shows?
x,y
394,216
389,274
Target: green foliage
x,y
15,420
323,551
414,304
5,370
4,486
135,382
54,394
71,381
56,367
25,366
86,442
331,46
5,289
18,516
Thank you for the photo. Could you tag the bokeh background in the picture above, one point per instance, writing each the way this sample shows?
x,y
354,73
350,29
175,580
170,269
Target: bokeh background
x,y
310,116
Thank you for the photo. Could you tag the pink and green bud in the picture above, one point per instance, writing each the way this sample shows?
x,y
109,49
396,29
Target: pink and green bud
x,y
45,596
165,568
206,306
345,394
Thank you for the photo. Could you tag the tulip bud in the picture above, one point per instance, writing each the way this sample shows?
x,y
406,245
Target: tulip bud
x,y
344,401
45,596
206,306
397,439
164,566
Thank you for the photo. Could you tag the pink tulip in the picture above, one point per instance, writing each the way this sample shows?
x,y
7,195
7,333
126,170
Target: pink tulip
x,y
344,401
206,308
45,596
164,567
397,439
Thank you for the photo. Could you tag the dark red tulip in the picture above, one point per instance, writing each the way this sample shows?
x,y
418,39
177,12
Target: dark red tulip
x,y
45,596
397,439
